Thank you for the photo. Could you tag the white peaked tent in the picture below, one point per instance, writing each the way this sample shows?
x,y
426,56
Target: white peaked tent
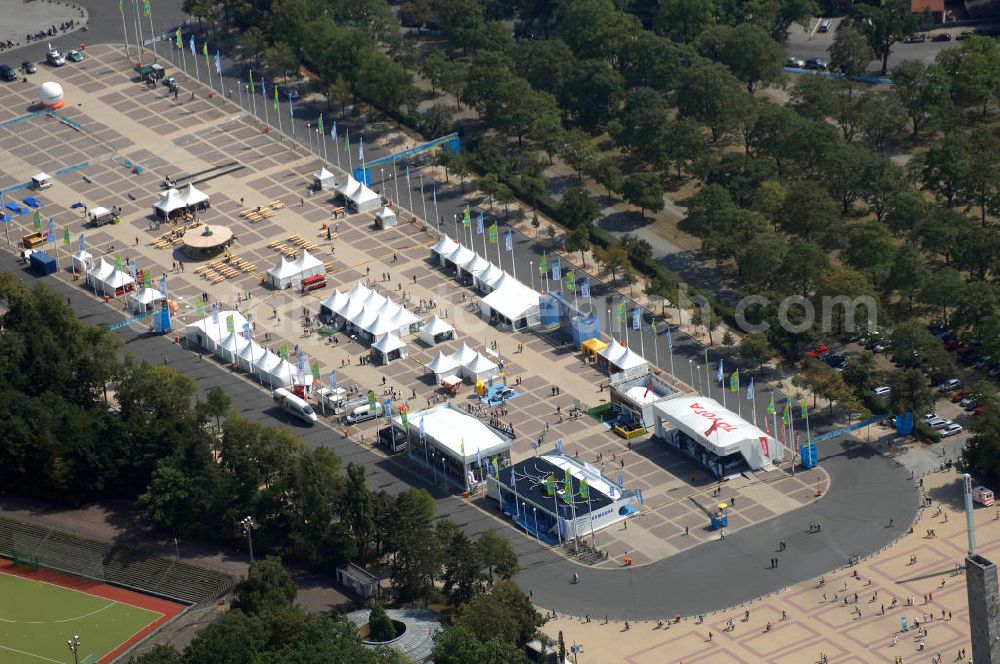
x,y
443,247
207,333
279,374
464,355
250,356
512,304
282,275
480,368
265,365
381,326
386,218
443,365
170,202
611,352
104,278
475,265
329,307
228,347
323,180
487,279
460,255
98,272
194,198
436,331
82,261
359,292
404,320
630,361
389,347
308,265
143,299
357,196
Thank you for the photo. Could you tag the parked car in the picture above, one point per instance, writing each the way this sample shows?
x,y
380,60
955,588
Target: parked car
x,y
938,423
55,58
950,384
7,73
795,63
941,37
952,429
817,63
958,396
820,351
969,403
918,38
882,391
28,67
994,371
74,56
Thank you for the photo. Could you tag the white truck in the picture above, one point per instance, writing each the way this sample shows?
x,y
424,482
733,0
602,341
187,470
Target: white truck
x,y
294,405
99,216
331,402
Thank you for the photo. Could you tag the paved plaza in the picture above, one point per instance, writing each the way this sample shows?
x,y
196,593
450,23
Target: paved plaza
x,y
816,618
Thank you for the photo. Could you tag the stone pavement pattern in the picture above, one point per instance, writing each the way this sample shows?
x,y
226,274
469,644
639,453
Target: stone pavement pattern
x,y
209,141
818,620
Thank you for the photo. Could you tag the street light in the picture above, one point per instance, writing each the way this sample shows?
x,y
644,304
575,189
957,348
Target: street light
x,y
248,525
531,271
74,645
534,512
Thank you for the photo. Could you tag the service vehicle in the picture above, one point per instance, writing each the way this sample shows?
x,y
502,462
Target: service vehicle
x,y
294,405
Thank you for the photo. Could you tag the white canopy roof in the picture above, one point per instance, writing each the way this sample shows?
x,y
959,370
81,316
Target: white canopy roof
x,y
213,331
719,429
437,326
306,262
480,364
193,196
322,174
146,295
252,352
504,280
382,325
512,301
231,342
101,270
475,265
388,343
385,213
356,191
612,351
442,363
170,201
335,300
461,255
284,269
445,245
359,292
491,275
629,360
82,256
452,430
595,479
267,362
464,355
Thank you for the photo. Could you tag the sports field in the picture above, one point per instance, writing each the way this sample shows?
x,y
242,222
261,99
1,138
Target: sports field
x,y
41,611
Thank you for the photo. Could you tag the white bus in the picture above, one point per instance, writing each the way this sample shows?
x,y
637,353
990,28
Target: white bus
x,y
294,405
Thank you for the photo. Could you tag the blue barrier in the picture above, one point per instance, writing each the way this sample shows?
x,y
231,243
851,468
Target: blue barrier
x,y
449,142
874,80
848,429
128,321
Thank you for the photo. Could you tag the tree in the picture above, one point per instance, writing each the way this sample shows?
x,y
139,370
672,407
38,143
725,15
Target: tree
x,y
380,627
253,42
908,274
357,507
579,240
881,119
710,93
577,150
942,292
883,25
910,392
596,28
813,97
659,288
808,211
982,451
160,654
462,566
578,208
436,120
516,107
607,174
844,173
268,587
974,71
233,638
708,318
870,249
980,185
504,613
863,374
417,557
282,58
613,259
684,142
756,349
593,94
455,645
642,123
683,20
644,191
752,56
884,182
924,91
217,404
497,555
803,263
851,51
461,21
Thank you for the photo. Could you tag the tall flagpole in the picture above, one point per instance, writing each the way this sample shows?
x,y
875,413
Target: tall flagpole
x,y
138,27
350,158
395,180
263,94
194,56
148,10
253,95
642,341
208,65
183,57
437,218
336,150
513,262
409,187
670,350
656,348
121,9
753,400
423,198
723,386
274,104
739,402
808,434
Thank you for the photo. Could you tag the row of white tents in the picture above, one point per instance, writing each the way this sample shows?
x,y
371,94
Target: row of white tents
x,y
368,313
105,279
622,359
507,301
173,201
465,362
358,196
288,273
234,348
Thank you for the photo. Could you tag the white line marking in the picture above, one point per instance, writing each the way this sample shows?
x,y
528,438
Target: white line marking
x,y
29,654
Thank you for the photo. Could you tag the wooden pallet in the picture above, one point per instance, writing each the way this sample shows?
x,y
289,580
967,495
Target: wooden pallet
x,y
276,204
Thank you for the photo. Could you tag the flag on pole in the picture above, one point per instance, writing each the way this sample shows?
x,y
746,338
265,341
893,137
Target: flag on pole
x,y
218,64
361,155
253,88
543,264
750,389
314,365
215,320
556,270
147,281
584,489
291,106
423,430
636,319
496,468
83,243
571,280
785,414
567,486
585,288
275,104
283,354
408,185
652,327
734,381
319,125
333,131
722,373
404,416
145,8
121,7
479,224
803,409
177,37
493,233
66,239
199,308
508,241
479,457
333,380
770,406
204,51
421,185
52,231
466,216
230,323
463,447
194,50
670,338
620,312
163,285
118,263
550,484
347,139
37,218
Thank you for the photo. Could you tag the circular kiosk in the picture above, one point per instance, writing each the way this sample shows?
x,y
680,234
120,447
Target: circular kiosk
x,y
207,241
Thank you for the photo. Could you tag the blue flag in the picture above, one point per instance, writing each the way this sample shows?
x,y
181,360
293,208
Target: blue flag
x,y
750,389
387,408
333,380
585,288
215,313
636,319
479,224
163,292
263,89
246,331
722,373
361,151
333,131
191,44
52,234
218,64
508,241
131,270
434,193
556,270
408,175
83,244
291,109
423,431
670,339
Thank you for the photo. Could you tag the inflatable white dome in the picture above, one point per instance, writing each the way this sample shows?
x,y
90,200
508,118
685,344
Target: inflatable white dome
x,y
50,95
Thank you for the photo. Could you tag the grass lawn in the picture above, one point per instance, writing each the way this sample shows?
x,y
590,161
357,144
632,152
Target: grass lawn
x,y
37,618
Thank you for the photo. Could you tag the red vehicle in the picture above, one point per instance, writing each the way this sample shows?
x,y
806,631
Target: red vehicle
x,y
820,352
313,283
962,394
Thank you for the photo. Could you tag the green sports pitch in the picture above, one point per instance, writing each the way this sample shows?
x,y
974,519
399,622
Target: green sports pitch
x,y
37,618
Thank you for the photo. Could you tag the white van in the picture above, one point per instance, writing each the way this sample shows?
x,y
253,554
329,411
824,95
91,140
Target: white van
x,y
294,405
99,216
363,413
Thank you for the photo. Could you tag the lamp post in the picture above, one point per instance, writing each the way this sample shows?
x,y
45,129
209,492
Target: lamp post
x,y
531,271
74,645
248,524
534,512
444,475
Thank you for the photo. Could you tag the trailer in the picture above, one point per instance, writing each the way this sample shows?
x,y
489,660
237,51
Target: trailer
x,y
35,240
